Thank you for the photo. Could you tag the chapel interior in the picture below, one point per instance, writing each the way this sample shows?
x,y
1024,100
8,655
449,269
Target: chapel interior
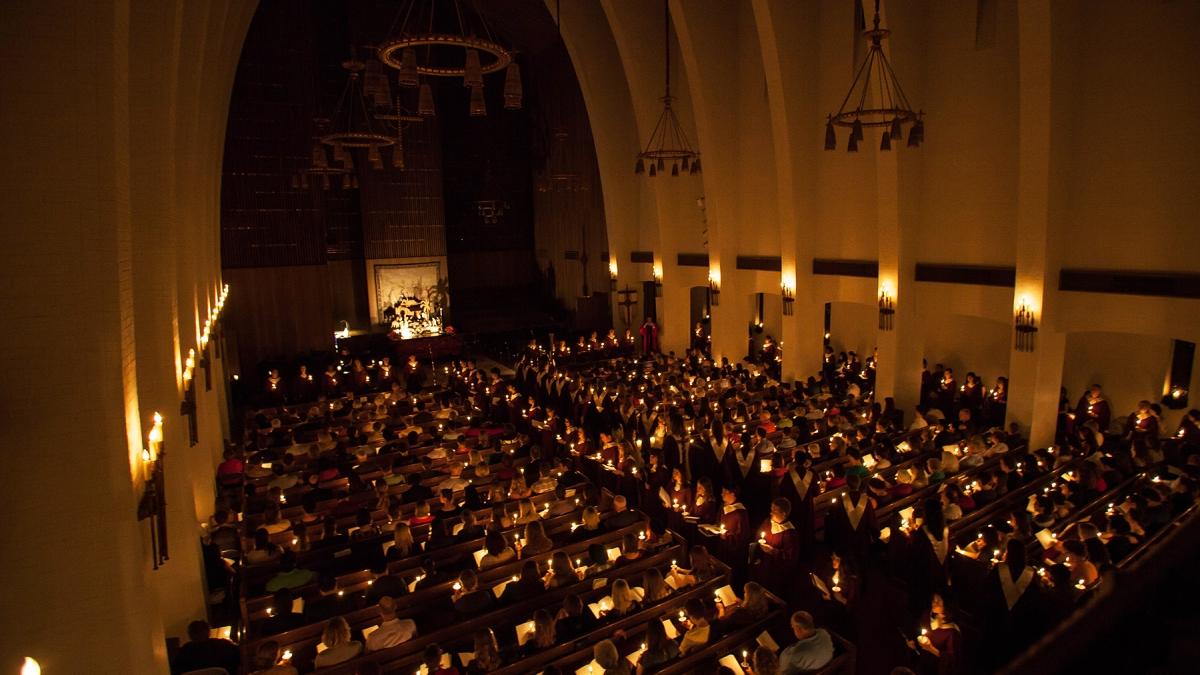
x,y
600,336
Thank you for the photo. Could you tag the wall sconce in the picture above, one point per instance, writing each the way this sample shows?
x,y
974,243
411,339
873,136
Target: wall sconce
x,y
657,275
31,666
612,275
789,298
887,308
153,504
1026,327
205,362
188,407
714,288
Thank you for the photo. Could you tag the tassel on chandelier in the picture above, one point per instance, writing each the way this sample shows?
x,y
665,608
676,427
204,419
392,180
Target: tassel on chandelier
x,y
408,76
888,107
425,107
512,87
478,105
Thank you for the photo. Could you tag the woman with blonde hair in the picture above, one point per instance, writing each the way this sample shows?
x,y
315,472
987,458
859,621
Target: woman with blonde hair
x,y
624,600
543,631
402,542
339,648
517,489
527,512
536,541
589,525
487,653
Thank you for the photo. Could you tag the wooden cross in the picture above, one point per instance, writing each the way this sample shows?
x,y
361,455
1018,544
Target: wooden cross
x,y
627,303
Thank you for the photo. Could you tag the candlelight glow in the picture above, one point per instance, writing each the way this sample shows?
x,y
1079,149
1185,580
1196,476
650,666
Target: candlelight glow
x,y
31,667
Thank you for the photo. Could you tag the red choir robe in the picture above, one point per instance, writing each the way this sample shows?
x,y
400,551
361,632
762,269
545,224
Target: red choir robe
x,y
736,537
649,333
779,561
705,511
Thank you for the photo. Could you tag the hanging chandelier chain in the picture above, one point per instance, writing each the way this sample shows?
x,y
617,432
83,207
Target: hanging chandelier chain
x,y
667,51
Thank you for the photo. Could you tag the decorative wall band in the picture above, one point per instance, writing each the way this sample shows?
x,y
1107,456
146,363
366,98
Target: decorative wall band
x,y
571,255
846,268
641,256
693,259
974,275
1160,284
764,263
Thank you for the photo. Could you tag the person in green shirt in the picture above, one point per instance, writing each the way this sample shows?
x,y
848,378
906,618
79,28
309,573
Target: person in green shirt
x,y
289,575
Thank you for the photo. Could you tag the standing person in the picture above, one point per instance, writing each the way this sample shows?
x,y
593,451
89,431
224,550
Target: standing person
x,y
649,333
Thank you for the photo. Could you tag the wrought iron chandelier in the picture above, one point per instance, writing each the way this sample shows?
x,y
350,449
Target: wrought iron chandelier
x,y
561,173
879,101
668,142
354,126
415,48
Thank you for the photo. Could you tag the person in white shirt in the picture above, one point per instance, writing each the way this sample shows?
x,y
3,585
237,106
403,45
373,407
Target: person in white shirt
x,y
392,630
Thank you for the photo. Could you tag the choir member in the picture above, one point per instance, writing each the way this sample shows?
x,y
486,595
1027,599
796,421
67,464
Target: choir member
x,y
778,544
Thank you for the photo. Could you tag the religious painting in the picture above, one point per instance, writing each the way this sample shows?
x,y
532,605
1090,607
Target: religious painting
x,y
411,298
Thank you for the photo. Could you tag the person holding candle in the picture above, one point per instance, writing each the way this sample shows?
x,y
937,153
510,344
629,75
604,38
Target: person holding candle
x,y
735,524
698,630
778,544
659,649
267,661
940,641
851,524
204,651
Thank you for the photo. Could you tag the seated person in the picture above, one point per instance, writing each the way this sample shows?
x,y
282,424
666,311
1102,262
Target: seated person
x,y
469,599
528,584
697,627
289,575
392,630
282,618
753,607
536,542
471,529
609,659
543,633
572,620
659,650
329,602
812,650
498,551
589,527
385,584
204,651
339,648
622,515
561,573
624,601
266,661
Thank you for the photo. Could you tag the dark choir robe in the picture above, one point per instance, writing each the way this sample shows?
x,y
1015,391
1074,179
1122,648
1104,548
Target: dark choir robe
x,y
745,466
674,453
1013,610
273,390
947,392
330,382
1097,411
725,473
995,407
929,565
971,398
704,464
851,525
303,388
776,564
611,452
800,487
